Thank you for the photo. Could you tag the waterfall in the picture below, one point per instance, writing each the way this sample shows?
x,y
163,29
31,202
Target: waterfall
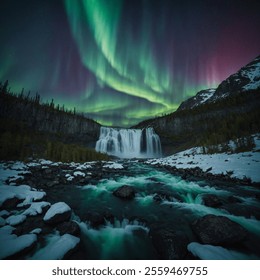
x,y
129,143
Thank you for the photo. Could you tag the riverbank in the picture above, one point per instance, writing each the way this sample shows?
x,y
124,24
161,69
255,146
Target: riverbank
x,y
109,210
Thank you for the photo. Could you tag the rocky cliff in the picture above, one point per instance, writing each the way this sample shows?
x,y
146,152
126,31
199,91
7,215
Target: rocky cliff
x,y
65,126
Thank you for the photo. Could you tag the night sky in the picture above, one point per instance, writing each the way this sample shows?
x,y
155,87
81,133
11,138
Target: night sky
x,y
121,62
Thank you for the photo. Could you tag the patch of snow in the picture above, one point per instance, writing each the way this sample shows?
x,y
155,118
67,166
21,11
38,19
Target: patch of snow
x,y
252,85
45,167
253,74
210,252
73,164
36,208
57,208
245,164
18,165
2,221
84,166
15,178
4,213
207,95
21,192
15,219
69,178
113,165
33,164
45,162
57,247
11,244
7,172
36,231
79,173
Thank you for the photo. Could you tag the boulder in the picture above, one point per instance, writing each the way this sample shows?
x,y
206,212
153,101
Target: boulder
x,y
169,244
234,199
10,203
58,212
125,192
13,246
69,227
218,230
160,196
95,219
52,183
211,200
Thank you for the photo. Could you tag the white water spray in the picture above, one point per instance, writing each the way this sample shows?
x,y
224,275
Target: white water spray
x,y
129,143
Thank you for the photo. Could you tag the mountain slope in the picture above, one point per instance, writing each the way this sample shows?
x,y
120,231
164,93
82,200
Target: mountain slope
x,y
213,117
246,79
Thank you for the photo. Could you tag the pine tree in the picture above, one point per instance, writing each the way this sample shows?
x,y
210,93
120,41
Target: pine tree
x,y
4,89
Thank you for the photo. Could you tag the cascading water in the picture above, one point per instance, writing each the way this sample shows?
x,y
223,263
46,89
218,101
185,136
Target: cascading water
x,y
129,143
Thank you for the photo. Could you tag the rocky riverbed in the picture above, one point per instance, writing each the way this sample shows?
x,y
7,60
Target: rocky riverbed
x,y
125,210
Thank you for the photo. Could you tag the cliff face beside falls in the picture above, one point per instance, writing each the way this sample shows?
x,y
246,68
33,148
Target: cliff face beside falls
x,y
60,124
31,129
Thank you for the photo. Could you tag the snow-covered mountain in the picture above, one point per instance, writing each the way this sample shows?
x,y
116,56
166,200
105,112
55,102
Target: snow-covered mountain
x,y
232,111
200,98
246,79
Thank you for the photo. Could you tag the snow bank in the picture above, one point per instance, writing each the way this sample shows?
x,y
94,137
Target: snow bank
x,y
237,164
209,252
10,244
57,208
57,247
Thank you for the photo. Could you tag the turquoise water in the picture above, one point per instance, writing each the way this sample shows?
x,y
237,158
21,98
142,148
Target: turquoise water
x,y
126,233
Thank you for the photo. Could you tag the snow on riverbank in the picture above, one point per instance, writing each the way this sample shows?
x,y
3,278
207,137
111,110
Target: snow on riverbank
x,y
238,165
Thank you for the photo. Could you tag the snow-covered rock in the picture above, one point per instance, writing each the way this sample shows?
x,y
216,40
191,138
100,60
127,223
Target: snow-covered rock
x,y
113,165
2,222
57,248
210,252
36,231
15,219
58,212
36,208
79,173
4,213
12,244
22,192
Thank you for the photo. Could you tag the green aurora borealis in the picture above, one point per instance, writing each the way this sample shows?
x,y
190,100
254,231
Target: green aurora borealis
x,y
121,62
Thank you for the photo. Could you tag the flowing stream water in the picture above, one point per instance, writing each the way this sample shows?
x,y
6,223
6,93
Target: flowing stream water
x,y
126,234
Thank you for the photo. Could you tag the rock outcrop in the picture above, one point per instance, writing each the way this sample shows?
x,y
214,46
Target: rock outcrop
x,y
125,192
218,230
